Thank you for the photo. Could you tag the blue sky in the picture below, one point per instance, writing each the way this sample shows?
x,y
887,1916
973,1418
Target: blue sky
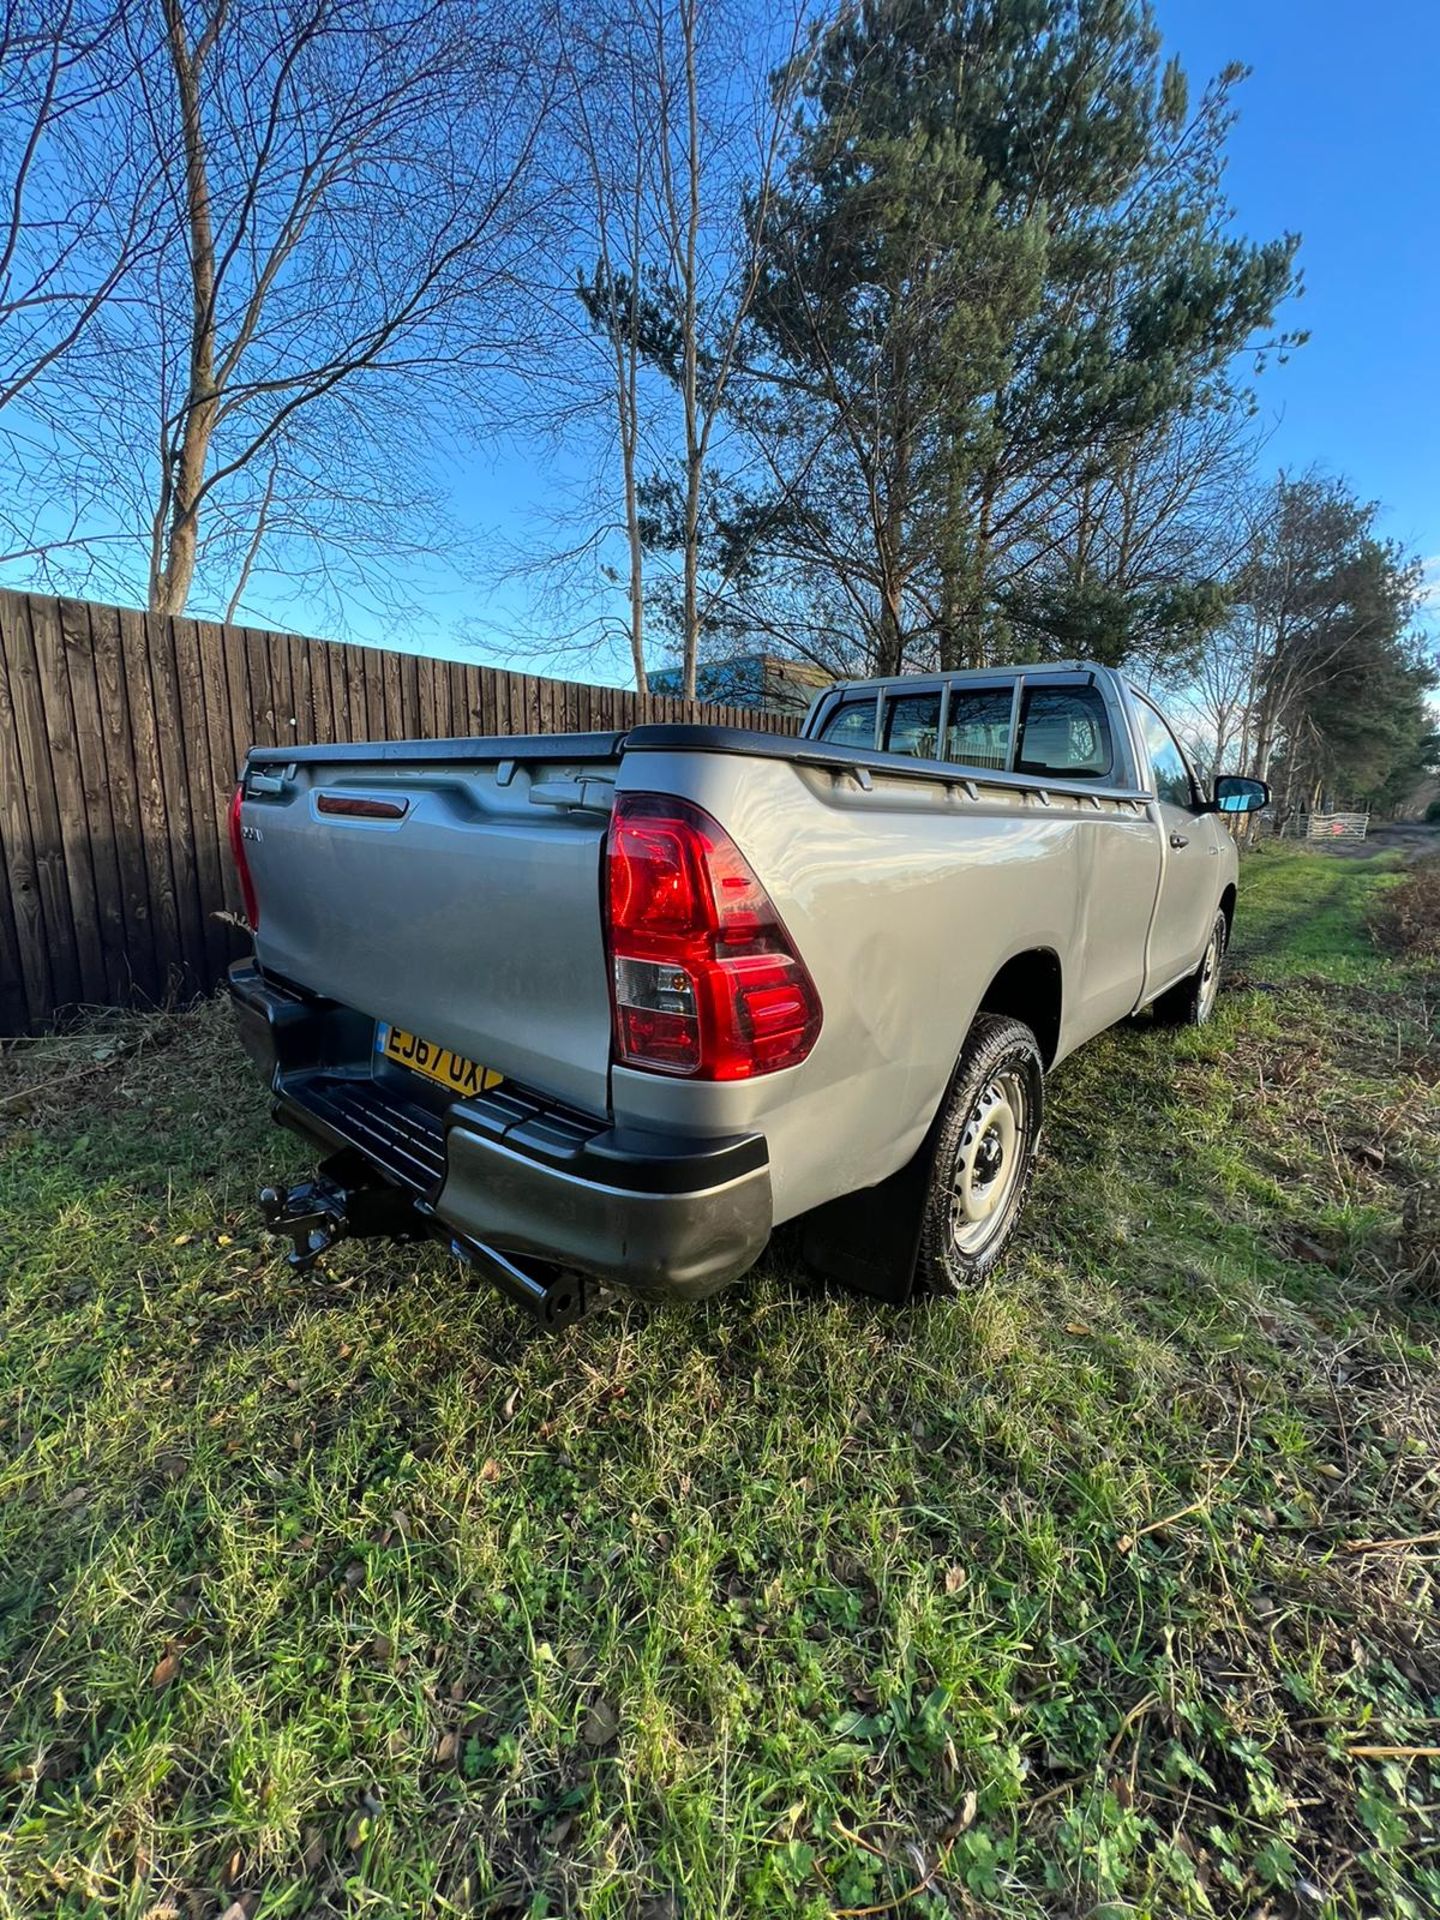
x,y
1337,140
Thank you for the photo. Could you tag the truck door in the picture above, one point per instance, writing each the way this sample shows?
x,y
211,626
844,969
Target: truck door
x,y
1189,846
1066,729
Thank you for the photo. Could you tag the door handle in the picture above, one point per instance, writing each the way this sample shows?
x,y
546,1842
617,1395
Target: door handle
x,y
1178,840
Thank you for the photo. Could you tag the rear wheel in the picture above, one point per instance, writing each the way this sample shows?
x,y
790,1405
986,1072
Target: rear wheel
x,y
1191,1002
989,1127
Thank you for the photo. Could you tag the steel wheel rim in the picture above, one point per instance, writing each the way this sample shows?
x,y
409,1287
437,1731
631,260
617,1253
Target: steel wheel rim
x,y
989,1163
1210,974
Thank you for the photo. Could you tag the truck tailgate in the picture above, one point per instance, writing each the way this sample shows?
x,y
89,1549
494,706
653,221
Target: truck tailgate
x,y
451,888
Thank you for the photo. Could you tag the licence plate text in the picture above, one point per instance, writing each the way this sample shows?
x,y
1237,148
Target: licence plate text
x,y
436,1063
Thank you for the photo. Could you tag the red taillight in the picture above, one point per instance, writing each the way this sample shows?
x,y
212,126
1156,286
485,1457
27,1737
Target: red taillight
x,y
242,863
704,978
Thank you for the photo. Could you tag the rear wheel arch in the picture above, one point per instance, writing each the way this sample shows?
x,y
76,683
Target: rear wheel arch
x,y
880,1238
1030,988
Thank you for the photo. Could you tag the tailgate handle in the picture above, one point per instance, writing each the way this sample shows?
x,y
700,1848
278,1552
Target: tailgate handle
x,y
261,783
356,806
584,796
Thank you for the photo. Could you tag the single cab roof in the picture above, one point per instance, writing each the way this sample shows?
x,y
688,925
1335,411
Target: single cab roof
x,y
1068,723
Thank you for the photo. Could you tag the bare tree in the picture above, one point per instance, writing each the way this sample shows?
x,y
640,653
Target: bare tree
x,y
1219,697
667,128
612,140
341,199
1313,670
67,242
1131,555
720,148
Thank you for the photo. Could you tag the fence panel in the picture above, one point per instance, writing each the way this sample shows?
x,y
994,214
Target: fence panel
x,y
120,736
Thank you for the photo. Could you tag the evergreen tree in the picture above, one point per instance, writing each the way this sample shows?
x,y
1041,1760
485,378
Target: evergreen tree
x,y
999,264
1324,607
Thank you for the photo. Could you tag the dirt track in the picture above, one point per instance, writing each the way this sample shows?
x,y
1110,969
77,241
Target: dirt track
x,y
1413,838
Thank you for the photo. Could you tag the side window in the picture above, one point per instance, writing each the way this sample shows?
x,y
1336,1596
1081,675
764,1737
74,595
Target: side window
x,y
1064,731
977,727
852,724
1167,762
912,725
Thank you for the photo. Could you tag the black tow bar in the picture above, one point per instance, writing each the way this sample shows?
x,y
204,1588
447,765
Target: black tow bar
x,y
340,1203
310,1215
345,1202
555,1297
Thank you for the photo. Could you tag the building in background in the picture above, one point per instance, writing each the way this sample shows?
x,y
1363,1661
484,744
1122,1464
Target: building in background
x,y
760,680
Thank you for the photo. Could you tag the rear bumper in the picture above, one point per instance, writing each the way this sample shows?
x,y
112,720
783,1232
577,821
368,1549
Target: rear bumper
x,y
664,1216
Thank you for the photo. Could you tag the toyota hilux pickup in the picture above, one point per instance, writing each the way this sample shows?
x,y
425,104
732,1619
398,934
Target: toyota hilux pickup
x,y
608,1009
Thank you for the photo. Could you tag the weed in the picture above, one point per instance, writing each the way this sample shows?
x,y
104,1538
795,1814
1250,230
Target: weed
x,y
1406,919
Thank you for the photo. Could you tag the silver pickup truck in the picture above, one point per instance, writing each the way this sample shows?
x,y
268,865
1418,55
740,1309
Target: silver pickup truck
x,y
610,1008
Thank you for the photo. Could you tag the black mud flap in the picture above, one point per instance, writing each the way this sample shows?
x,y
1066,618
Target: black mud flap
x,y
870,1240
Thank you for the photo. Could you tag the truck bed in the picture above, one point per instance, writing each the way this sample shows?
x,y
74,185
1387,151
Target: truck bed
x,y
475,920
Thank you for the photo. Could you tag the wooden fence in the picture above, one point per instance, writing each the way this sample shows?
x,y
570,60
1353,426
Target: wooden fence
x,y
120,737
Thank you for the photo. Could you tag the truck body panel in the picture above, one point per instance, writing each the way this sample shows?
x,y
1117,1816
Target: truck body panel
x,y
472,920
456,889
958,887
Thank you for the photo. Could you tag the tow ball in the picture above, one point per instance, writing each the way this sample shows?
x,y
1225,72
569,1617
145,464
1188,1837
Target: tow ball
x,y
311,1216
314,1214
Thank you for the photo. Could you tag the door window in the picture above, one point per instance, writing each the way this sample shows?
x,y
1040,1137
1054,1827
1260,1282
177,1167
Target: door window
x,y
1173,786
1064,731
977,726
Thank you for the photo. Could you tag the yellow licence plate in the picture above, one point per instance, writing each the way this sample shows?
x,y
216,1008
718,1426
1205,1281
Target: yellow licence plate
x,y
439,1064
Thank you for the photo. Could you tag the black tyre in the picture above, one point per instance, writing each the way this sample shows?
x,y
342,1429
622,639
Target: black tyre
x,y
987,1133
1190,1002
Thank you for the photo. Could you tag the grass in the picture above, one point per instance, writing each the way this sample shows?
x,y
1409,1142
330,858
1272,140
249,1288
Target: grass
x,y
352,1595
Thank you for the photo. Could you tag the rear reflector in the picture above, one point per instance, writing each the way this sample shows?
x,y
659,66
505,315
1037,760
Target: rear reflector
x,y
242,863
705,979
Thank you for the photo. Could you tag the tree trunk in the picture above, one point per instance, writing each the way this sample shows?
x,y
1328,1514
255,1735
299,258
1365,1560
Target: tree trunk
x,y
173,567
690,360
954,593
1265,732
891,656
890,544
979,640
627,389
637,557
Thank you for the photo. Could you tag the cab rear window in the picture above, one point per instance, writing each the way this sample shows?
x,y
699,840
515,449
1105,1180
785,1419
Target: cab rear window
x,y
1064,731
912,725
977,727
852,724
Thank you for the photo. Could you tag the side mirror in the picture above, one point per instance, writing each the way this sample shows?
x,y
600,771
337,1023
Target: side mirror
x,y
1235,793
